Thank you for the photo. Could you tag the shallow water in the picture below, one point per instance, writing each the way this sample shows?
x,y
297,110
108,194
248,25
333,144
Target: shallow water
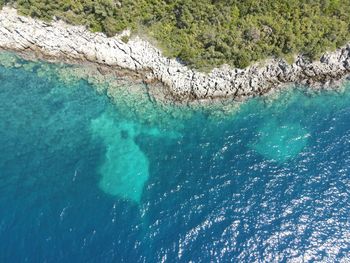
x,y
82,180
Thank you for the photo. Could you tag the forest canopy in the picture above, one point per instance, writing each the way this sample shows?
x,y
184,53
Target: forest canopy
x,y
208,33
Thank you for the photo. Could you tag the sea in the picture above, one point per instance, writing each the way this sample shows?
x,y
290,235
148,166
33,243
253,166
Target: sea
x,y
87,175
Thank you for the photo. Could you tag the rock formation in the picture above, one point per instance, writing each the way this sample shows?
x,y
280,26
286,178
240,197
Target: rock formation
x,y
59,40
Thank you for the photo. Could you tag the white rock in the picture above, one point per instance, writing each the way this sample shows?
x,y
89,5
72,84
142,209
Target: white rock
x,y
59,39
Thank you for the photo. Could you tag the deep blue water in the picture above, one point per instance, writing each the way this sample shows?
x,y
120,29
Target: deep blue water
x,y
81,182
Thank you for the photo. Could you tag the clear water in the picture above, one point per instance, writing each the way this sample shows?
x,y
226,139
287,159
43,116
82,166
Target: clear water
x,y
82,180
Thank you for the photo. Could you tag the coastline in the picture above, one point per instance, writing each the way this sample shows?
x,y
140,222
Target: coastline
x,y
139,60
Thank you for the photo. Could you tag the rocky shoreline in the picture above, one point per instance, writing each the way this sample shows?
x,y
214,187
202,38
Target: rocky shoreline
x,y
59,41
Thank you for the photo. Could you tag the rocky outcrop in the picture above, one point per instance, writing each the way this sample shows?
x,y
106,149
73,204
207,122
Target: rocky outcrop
x,y
75,43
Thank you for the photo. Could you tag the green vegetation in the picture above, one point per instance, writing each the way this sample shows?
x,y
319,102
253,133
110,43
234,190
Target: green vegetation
x,y
207,33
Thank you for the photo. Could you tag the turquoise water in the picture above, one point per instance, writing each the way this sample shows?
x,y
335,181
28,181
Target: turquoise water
x,y
87,175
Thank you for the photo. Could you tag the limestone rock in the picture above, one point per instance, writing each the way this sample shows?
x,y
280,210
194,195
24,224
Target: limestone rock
x,y
75,43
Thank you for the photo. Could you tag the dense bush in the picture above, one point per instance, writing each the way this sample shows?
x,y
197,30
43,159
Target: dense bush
x,y
207,33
